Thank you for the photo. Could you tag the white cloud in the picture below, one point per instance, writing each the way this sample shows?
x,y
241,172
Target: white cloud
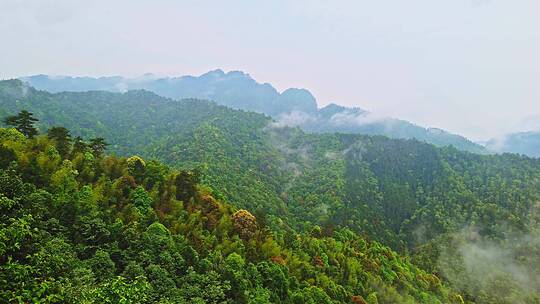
x,y
349,118
295,118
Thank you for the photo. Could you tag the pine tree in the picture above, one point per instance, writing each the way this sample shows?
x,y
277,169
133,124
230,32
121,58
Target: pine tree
x,y
23,122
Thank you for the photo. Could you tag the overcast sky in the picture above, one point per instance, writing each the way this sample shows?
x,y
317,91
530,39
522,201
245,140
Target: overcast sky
x,y
467,66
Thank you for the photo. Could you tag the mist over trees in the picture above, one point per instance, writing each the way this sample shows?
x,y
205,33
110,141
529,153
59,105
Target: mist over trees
x,y
94,228
271,213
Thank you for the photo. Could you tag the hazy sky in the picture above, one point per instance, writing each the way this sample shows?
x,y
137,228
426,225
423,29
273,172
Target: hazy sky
x,y
468,66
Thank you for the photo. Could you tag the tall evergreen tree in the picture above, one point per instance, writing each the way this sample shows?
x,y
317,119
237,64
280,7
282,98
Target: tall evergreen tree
x,y
23,122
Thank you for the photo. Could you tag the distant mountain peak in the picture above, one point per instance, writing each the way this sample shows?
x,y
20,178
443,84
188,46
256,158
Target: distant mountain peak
x,y
236,73
15,88
213,73
332,109
295,99
237,89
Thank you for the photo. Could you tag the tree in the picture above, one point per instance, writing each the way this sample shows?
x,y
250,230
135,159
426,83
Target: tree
x,y
63,139
98,146
59,134
23,122
207,287
7,155
141,199
136,167
121,290
186,185
79,146
245,224
102,265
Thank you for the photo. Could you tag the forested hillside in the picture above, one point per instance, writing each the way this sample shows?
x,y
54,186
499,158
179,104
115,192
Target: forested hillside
x,y
446,208
80,226
236,89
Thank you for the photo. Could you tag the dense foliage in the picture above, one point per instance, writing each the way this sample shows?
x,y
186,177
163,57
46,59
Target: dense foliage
x,y
450,211
84,227
380,187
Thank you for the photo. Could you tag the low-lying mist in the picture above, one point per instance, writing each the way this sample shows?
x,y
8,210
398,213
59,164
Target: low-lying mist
x,y
505,269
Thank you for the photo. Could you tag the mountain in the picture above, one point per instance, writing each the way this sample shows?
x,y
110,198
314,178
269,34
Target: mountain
x,y
527,143
234,89
442,207
334,118
84,227
296,107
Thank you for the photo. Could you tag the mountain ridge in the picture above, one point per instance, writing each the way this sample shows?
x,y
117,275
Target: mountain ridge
x,y
239,90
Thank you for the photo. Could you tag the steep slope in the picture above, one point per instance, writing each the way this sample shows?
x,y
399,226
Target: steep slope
x,y
377,186
294,107
88,228
404,193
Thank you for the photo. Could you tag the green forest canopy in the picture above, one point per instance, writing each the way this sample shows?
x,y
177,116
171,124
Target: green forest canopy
x,y
428,203
94,228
